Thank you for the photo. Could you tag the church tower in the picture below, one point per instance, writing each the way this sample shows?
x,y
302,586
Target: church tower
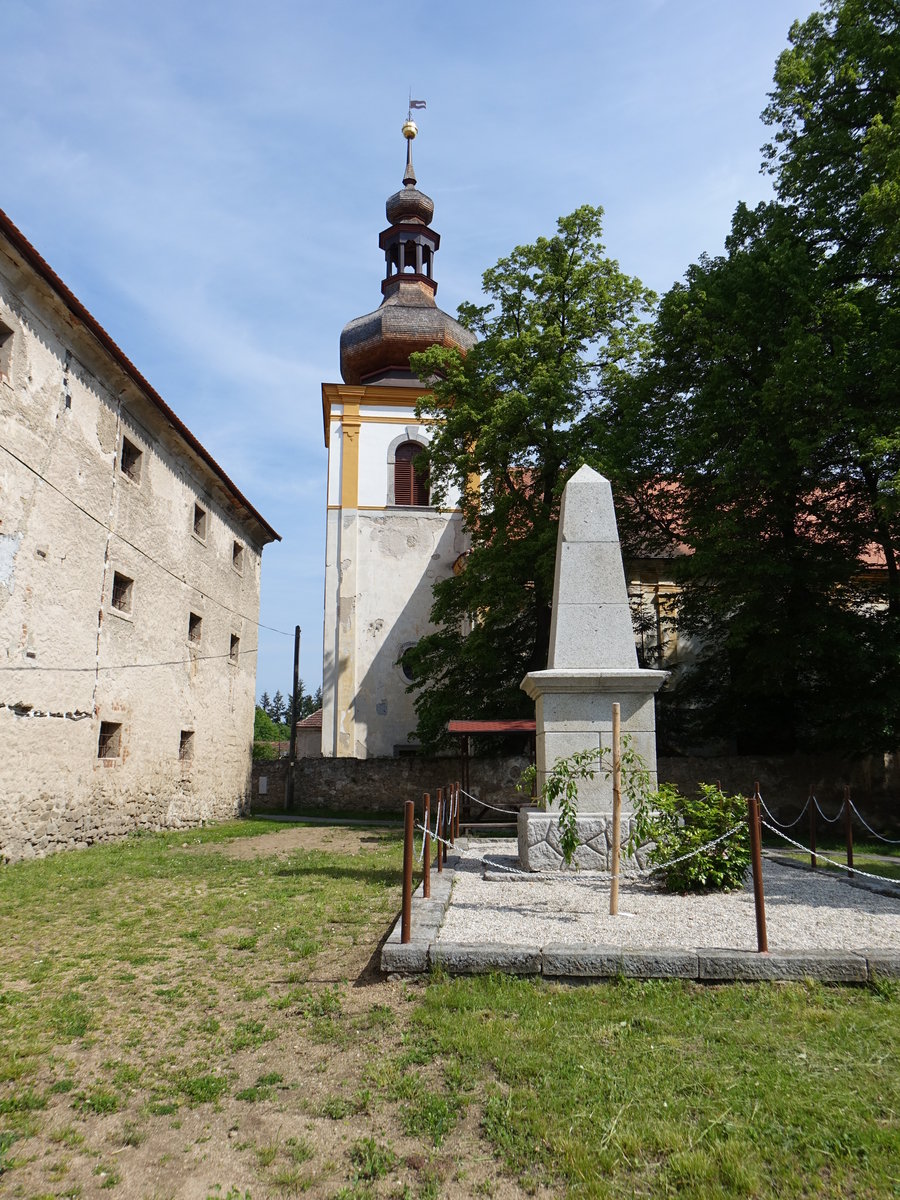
x,y
386,544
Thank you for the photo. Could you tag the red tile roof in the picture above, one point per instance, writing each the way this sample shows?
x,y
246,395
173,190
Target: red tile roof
x,y
507,726
313,721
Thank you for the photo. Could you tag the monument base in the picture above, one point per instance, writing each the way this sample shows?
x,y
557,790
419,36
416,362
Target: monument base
x,y
539,848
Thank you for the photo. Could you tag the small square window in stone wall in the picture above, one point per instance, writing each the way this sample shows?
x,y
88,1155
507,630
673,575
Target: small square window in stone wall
x,y
130,460
235,648
237,557
186,745
110,741
195,628
6,344
200,522
122,591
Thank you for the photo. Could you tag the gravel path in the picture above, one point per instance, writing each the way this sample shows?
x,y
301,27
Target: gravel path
x,y
803,911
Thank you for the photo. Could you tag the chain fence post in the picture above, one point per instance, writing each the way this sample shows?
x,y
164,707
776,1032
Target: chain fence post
x,y
812,827
762,941
406,910
426,850
848,829
439,830
617,808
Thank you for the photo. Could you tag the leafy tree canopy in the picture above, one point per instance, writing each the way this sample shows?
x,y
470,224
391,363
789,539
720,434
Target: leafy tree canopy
x,y
561,324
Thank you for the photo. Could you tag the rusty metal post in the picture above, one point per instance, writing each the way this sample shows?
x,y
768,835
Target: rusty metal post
x,y
812,827
426,853
406,911
848,828
458,802
616,809
439,829
762,941
451,836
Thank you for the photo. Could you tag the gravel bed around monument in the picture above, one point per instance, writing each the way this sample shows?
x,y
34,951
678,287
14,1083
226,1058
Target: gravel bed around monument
x,y
804,910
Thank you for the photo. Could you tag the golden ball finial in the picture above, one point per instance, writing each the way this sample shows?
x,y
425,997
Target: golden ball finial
x,y
410,129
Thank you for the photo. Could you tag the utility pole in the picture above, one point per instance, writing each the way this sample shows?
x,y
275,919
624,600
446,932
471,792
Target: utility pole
x,y
292,753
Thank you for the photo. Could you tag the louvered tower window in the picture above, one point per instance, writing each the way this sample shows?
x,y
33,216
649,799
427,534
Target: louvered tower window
x,y
410,487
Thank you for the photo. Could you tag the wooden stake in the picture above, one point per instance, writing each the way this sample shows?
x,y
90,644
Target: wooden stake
x,y
762,941
406,910
439,830
426,853
617,809
812,827
848,829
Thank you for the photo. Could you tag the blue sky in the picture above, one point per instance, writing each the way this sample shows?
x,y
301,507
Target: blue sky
x,y
209,179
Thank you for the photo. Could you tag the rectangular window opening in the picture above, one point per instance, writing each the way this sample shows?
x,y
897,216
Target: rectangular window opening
x,y
186,745
110,743
6,342
195,628
235,648
200,522
122,589
130,460
237,557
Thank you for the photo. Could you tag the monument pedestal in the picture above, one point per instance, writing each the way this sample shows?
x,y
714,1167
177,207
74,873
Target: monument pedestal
x,y
592,664
573,708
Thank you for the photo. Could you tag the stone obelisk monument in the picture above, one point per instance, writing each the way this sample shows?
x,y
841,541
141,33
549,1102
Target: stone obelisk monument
x,y
592,663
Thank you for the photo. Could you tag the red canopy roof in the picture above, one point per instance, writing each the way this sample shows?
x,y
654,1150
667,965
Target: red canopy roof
x,y
508,726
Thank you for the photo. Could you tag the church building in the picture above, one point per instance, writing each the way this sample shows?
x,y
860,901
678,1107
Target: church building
x,y
386,544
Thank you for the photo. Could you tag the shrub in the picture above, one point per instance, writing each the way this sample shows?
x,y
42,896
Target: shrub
x,y
678,824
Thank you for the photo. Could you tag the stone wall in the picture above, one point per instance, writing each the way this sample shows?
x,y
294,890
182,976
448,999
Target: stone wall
x,y
129,596
382,785
784,780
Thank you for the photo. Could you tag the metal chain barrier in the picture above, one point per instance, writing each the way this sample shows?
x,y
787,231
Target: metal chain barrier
x,y
828,820
781,824
513,812
641,870
865,825
437,838
842,866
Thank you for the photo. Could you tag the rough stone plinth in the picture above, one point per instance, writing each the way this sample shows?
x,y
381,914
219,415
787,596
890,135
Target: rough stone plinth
x,y
540,850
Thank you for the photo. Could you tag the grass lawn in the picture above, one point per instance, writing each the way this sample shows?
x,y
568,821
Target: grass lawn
x,y
198,1015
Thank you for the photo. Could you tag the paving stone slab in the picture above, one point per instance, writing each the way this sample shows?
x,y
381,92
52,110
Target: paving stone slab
x,y
479,959
829,966
882,964
562,960
410,958
660,964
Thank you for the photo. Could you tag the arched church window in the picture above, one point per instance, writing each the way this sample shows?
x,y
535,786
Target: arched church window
x,y
410,485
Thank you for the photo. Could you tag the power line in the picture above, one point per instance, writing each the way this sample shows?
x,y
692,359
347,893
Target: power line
x,y
122,538
172,662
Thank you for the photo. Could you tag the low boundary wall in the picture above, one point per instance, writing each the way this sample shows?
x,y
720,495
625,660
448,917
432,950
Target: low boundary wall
x,y
381,785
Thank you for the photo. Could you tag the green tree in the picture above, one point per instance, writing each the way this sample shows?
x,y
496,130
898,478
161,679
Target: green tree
x,y
277,708
264,728
745,400
835,153
561,324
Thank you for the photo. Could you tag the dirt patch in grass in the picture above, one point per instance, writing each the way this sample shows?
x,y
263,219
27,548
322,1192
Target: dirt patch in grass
x,y
191,1017
335,838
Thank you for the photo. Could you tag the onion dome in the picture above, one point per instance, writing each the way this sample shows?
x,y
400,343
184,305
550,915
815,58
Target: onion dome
x,y
376,347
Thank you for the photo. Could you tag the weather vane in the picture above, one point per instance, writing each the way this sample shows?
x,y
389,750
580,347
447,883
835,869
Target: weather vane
x,y
410,128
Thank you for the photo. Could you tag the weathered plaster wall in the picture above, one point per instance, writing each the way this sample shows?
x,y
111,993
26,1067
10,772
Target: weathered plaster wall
x,y
382,561
69,519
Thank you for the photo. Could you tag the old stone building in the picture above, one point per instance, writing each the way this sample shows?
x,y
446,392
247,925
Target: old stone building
x,y
386,544
129,587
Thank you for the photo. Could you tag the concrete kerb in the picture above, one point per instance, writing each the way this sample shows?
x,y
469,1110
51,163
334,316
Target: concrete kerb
x,y
573,963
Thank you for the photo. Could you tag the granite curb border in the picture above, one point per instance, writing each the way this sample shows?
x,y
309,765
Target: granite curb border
x,y
564,962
